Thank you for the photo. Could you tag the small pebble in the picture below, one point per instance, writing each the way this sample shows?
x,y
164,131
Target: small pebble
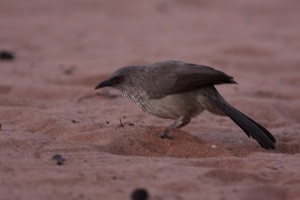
x,y
213,146
70,70
60,162
6,55
139,194
59,159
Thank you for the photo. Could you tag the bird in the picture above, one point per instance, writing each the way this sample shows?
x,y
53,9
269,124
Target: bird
x,y
177,90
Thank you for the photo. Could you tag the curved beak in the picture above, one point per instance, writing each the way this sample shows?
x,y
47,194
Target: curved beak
x,y
103,84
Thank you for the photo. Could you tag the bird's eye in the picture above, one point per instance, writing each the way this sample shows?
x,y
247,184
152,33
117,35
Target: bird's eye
x,y
119,79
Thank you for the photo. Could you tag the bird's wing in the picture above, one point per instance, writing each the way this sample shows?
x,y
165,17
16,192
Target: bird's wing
x,y
171,77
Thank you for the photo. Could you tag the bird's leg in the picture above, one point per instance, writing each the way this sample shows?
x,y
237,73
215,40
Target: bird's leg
x,y
171,127
185,121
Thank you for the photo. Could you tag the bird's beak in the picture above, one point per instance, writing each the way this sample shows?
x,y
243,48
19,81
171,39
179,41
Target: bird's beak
x,y
103,84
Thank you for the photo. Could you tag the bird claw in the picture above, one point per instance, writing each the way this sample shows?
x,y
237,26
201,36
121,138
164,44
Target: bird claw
x,y
164,136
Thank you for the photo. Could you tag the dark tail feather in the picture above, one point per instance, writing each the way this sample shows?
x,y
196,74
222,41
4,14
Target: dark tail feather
x,y
249,126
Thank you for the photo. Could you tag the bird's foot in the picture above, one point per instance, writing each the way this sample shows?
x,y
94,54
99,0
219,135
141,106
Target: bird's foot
x,y
163,135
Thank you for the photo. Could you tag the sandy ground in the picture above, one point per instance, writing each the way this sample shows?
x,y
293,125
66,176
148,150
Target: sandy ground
x,y
63,49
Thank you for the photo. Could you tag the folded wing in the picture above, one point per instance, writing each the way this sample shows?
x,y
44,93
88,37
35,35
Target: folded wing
x,y
177,77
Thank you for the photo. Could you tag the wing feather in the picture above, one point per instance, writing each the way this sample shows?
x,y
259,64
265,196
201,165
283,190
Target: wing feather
x,y
171,77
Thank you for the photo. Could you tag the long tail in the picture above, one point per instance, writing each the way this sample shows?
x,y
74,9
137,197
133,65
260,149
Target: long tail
x,y
249,126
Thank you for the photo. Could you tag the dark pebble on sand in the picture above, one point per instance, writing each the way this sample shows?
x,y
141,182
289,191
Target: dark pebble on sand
x,y
139,194
6,55
59,159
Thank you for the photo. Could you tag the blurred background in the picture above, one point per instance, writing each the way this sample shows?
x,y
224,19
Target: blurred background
x,y
99,35
54,52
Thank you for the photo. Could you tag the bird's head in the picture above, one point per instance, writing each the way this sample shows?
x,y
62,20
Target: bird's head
x,y
121,79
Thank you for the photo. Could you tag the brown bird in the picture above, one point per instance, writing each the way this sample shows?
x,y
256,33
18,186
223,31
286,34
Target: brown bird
x,y
181,91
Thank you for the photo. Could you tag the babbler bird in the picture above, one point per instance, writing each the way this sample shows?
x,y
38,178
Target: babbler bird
x,y
180,91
